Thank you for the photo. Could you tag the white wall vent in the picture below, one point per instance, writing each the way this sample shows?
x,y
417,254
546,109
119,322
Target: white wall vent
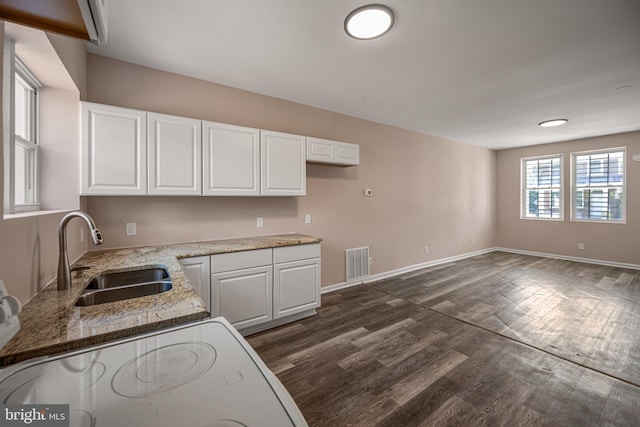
x,y
357,263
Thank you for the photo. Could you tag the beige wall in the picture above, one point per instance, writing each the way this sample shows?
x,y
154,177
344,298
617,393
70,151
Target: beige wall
x,y
73,55
426,190
609,242
29,245
59,149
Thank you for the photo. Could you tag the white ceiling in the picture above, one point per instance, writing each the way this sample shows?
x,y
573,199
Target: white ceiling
x,y
481,72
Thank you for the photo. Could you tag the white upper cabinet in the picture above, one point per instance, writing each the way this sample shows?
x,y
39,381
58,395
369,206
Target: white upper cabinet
x,y
347,154
114,150
332,152
283,164
175,155
231,160
132,152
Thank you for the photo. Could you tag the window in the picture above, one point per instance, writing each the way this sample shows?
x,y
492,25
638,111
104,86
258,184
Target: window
x,y
21,144
542,188
598,186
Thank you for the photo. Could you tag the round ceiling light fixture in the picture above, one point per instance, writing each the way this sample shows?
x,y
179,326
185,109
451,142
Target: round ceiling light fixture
x,y
552,123
369,22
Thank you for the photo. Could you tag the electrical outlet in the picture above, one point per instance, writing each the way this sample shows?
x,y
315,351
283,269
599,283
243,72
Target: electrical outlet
x,y
426,249
581,246
130,229
473,241
307,219
260,222
370,260
368,192
81,234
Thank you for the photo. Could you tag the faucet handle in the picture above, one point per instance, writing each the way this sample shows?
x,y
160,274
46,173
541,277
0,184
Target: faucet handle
x,y
79,269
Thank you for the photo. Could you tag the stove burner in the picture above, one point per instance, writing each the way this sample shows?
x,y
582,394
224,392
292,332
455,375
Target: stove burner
x,y
56,384
163,369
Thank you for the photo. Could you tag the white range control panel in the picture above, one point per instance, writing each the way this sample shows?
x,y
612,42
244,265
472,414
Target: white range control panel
x,y
9,309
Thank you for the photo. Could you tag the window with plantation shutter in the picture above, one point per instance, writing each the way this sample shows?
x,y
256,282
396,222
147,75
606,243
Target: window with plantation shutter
x,y
598,186
542,188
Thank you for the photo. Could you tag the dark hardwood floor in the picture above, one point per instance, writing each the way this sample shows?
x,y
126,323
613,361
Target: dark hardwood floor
x,y
498,339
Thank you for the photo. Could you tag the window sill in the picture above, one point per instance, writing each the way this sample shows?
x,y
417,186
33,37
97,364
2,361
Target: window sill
x,y
33,213
599,221
541,219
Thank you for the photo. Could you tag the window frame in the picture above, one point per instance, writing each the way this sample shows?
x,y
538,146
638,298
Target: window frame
x,y
524,187
14,69
575,188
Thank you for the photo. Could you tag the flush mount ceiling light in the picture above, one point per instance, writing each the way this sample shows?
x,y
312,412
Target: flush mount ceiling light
x,y
552,123
369,22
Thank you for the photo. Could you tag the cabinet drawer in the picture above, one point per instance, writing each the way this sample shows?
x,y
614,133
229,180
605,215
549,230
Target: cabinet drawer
x,y
240,260
294,253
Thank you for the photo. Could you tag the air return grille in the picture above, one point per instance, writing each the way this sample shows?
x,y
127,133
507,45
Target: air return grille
x,y
357,263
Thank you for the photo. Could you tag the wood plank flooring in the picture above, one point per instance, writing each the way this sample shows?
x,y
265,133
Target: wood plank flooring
x,y
498,339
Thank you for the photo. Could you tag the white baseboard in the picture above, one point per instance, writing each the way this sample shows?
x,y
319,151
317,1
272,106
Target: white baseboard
x,y
571,258
403,270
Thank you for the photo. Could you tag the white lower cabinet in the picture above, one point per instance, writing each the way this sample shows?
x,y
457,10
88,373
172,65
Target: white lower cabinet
x,y
243,297
197,270
242,287
258,289
296,279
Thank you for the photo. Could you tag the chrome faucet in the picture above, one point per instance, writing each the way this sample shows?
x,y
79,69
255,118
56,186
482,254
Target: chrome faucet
x,y
64,272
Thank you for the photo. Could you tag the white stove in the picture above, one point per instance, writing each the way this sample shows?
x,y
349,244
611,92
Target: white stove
x,y
202,374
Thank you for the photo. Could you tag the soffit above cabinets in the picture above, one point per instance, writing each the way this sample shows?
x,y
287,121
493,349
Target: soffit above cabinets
x,y
82,19
58,16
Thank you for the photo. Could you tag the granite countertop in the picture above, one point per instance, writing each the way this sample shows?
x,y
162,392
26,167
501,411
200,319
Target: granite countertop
x,y
50,323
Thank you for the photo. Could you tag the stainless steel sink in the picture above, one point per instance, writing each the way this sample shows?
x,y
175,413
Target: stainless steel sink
x,y
123,278
122,285
122,293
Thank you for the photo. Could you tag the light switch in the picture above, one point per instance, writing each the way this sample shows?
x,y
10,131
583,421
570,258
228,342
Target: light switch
x,y
307,219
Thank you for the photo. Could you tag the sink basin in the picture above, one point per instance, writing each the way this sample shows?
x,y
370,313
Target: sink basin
x,y
122,285
123,278
122,293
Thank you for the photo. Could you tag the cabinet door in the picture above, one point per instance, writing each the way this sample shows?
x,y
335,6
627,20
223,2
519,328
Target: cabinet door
x,y
296,287
114,150
197,271
175,155
347,154
231,165
243,297
332,152
320,150
283,164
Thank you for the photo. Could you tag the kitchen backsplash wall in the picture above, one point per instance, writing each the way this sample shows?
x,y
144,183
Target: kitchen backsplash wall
x,y
427,191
